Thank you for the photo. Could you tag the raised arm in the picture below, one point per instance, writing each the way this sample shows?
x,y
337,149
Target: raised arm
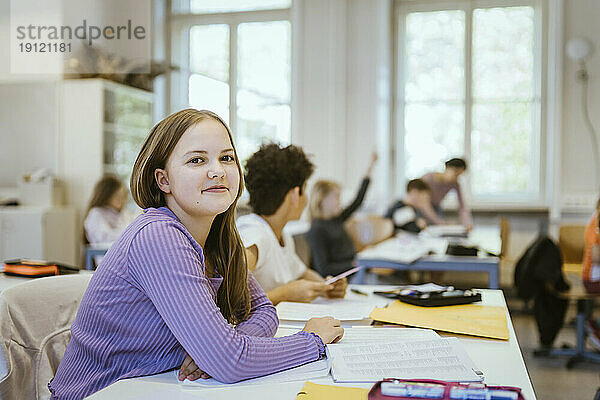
x,y
172,276
360,196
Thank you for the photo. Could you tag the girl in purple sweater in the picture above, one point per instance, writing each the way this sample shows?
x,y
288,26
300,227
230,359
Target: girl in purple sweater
x,y
174,289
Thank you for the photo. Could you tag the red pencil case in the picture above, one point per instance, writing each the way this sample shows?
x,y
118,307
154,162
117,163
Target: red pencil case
x,y
428,389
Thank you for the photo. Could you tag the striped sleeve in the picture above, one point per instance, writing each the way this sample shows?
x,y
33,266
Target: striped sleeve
x,y
262,320
163,262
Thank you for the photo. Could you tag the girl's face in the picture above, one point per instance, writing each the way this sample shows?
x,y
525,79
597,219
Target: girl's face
x,y
331,205
201,175
118,199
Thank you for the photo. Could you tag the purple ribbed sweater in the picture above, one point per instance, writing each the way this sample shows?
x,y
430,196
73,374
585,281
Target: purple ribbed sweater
x,y
149,302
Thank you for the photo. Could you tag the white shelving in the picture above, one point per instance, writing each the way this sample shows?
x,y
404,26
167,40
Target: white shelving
x,y
102,127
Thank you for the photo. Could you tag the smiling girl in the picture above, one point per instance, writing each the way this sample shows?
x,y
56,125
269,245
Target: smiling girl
x,y
176,282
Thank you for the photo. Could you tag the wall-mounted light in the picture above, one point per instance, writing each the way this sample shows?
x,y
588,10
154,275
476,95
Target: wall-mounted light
x,y
579,49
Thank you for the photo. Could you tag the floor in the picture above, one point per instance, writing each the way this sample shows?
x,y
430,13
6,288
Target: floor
x,y
550,378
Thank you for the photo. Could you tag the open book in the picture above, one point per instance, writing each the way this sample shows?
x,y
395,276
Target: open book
x,y
441,359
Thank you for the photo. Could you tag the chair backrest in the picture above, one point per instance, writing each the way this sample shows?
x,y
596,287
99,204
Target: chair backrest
x,y
504,236
35,328
369,230
571,241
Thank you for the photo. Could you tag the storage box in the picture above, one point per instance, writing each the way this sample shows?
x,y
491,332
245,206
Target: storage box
x,y
47,191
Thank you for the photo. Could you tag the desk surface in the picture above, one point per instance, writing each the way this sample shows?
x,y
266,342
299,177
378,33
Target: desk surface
x,y
501,361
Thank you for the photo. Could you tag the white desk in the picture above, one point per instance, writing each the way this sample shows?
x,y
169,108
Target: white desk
x,y
501,362
7,281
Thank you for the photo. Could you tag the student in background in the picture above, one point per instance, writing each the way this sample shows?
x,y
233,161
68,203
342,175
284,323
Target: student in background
x,y
331,247
174,289
441,184
591,270
591,254
106,217
407,214
276,181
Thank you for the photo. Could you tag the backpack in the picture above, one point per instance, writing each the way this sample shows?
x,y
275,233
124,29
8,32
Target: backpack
x,y
539,268
541,263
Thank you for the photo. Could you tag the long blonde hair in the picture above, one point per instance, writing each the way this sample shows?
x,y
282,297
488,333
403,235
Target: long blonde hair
x,y
223,248
319,191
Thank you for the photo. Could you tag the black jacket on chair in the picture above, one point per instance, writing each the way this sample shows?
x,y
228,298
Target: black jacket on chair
x,y
538,275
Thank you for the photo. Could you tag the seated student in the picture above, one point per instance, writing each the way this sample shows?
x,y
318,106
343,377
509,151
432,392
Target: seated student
x,y
276,181
591,254
407,214
331,247
106,217
591,271
174,289
441,184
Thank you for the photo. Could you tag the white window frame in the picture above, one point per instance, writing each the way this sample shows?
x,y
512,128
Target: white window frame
x,y
539,140
180,25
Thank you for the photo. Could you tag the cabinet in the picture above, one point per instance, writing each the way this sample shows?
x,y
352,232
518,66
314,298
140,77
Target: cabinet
x,y
102,127
42,233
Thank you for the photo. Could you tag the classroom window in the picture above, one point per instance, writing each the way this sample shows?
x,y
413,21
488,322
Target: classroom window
x,y
239,58
469,87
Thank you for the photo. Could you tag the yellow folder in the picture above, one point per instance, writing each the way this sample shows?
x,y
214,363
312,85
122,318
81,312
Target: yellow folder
x,y
468,319
313,391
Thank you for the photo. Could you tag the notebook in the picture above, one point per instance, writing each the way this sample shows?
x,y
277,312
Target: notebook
x,y
440,358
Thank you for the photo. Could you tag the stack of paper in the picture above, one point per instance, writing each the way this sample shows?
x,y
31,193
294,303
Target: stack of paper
x,y
312,370
441,359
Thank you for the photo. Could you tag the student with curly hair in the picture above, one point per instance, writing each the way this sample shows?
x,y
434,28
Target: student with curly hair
x,y
276,181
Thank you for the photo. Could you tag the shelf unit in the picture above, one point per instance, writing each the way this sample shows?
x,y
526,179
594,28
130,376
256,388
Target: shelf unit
x,y
102,127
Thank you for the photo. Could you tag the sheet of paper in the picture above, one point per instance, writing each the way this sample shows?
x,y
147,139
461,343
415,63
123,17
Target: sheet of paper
x,y
398,249
468,319
346,310
444,230
314,391
369,334
441,358
312,370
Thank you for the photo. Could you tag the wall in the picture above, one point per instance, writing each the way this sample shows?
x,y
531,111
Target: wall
x,y
343,90
28,129
577,179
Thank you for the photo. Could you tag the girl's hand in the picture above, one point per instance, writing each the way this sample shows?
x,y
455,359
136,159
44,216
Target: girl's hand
x,y
339,289
327,328
190,371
